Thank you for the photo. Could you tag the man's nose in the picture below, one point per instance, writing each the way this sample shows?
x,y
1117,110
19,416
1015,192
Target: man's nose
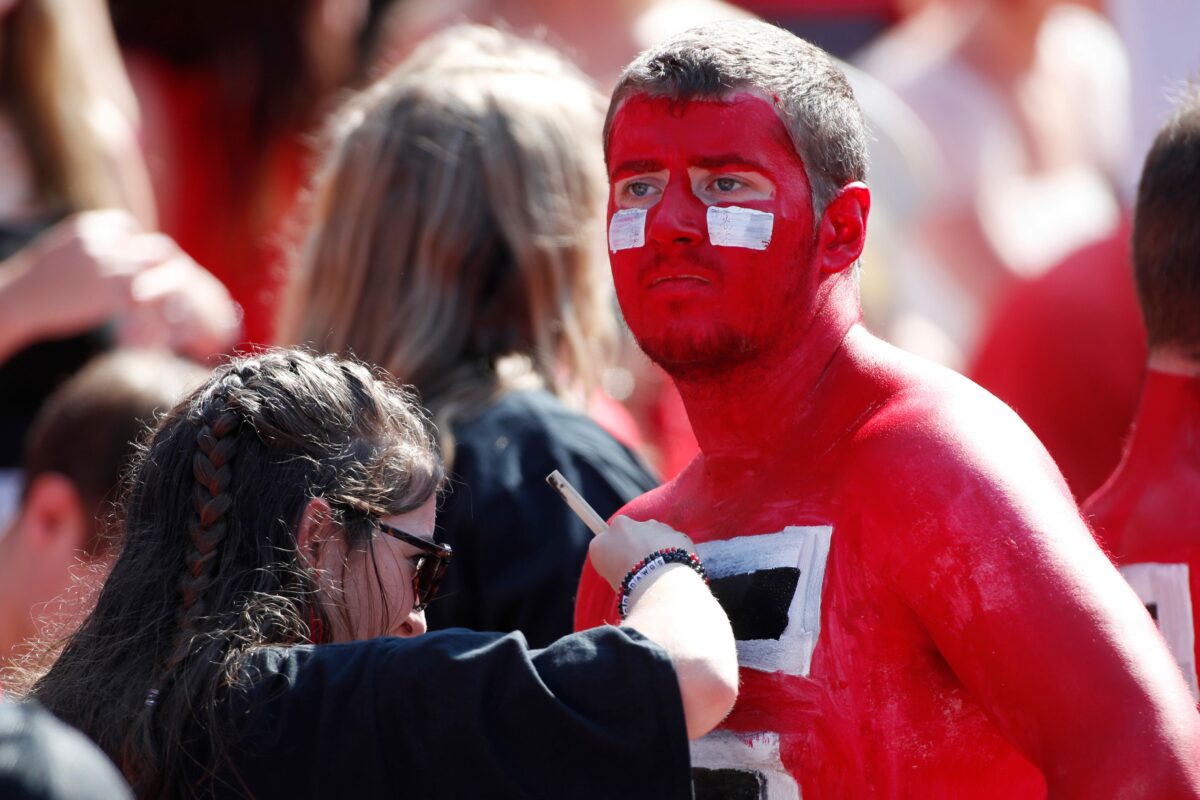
x,y
678,218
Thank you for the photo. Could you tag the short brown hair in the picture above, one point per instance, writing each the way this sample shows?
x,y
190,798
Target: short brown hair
x,y
87,430
1166,231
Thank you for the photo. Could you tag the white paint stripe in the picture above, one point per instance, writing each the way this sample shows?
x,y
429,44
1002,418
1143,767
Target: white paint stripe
x,y
751,752
1167,586
627,229
734,226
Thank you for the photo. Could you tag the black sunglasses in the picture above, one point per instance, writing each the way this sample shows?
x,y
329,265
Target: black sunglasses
x,y
431,564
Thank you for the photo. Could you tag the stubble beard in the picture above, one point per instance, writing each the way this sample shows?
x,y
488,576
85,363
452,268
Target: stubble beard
x,y
696,351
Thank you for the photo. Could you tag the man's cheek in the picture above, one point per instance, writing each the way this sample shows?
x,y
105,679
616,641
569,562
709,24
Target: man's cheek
x,y
624,273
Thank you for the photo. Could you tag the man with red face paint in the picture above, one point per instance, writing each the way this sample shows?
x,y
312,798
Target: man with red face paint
x,y
920,610
1148,513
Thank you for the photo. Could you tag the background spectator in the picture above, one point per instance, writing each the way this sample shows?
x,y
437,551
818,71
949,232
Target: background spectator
x,y
78,448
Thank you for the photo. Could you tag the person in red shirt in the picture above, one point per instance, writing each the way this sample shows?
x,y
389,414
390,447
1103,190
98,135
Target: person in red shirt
x,y
1067,350
1148,513
920,610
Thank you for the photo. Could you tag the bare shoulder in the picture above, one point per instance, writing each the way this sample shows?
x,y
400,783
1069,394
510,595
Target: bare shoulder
x,y
933,418
668,503
645,506
942,462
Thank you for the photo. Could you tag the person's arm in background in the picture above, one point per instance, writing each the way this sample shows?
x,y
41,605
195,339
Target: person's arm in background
x,y
68,280
674,608
99,265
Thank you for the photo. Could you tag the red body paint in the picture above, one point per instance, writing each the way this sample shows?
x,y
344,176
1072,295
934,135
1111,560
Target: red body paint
x,y
968,623
1149,510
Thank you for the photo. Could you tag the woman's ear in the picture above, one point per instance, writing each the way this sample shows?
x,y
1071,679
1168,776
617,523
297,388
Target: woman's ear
x,y
319,539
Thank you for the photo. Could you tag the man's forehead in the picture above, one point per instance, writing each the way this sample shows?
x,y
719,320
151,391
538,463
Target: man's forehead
x,y
744,121
650,104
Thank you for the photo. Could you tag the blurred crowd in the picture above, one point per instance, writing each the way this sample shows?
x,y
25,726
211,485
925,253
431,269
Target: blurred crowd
x,y
183,181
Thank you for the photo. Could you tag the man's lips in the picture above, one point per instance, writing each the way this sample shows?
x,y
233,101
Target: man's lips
x,y
678,279
680,273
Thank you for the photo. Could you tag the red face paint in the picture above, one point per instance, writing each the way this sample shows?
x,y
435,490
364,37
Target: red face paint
x,y
920,610
686,300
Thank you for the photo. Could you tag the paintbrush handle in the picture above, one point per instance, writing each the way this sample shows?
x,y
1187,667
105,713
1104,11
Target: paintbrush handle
x,y
575,500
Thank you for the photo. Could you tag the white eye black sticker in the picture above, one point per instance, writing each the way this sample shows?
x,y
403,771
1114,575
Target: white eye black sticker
x,y
1166,592
627,229
734,226
770,586
740,766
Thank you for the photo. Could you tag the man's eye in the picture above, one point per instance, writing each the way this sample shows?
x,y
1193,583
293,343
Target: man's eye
x,y
726,184
638,189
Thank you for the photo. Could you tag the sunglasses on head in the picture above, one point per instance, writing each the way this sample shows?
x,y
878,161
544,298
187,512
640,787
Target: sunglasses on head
x,y
431,567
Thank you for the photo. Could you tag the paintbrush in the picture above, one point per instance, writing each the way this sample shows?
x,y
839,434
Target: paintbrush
x,y
575,500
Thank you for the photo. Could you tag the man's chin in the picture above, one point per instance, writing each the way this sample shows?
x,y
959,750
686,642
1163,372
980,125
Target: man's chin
x,y
696,354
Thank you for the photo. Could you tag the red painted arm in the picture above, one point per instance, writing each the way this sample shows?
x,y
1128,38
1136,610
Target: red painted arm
x,y
979,536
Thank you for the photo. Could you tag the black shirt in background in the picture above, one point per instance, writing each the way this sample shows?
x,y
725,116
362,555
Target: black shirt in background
x,y
518,548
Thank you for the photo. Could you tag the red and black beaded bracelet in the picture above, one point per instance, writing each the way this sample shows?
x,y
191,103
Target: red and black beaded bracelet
x,y
651,563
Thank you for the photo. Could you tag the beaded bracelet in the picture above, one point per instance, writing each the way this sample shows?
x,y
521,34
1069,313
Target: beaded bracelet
x,y
650,564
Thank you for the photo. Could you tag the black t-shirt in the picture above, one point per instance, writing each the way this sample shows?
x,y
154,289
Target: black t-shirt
x,y
518,548
462,714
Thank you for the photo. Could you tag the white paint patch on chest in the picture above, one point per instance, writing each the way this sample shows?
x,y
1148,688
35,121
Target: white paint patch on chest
x,y
1166,593
756,753
734,226
805,549
627,229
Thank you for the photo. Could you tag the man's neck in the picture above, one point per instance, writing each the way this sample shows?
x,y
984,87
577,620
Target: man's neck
x,y
1167,426
748,412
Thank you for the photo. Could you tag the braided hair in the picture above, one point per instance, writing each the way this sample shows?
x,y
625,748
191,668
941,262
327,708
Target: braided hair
x,y
211,569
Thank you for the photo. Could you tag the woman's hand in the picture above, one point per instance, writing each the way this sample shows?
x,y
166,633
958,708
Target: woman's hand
x,y
627,542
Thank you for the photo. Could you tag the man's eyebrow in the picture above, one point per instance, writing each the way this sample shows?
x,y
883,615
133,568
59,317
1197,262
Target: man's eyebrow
x,y
730,160
637,167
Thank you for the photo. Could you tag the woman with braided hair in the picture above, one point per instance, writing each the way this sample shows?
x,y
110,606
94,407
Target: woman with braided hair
x,y
259,633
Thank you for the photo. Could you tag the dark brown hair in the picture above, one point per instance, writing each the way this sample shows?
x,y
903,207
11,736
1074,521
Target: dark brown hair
x,y
1166,232
210,568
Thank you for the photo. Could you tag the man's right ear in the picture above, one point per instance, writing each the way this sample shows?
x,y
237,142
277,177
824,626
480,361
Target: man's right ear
x,y
319,539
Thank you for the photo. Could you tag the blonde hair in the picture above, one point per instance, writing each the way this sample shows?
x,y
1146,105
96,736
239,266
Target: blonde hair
x,y
62,79
456,219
